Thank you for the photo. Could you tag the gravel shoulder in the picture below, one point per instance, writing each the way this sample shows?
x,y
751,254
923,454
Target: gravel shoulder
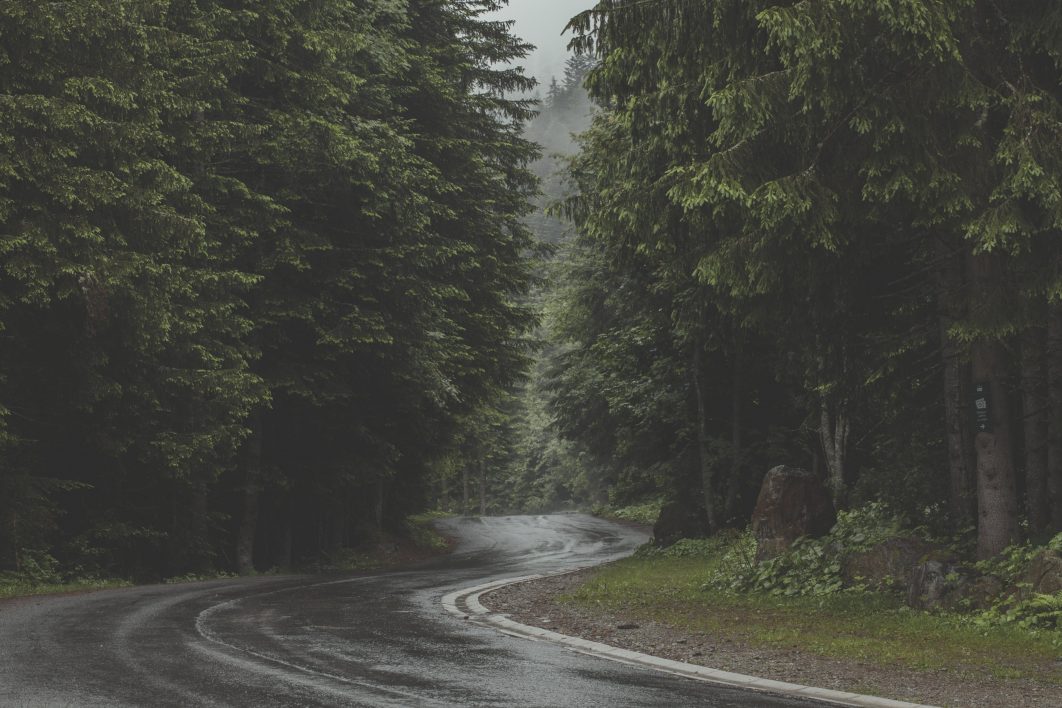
x,y
535,603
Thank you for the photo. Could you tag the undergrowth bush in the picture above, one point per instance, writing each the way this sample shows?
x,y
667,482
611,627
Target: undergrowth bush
x,y
1024,609
809,566
645,513
695,547
423,535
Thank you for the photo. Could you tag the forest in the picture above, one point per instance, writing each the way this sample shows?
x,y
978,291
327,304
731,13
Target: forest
x,y
275,276
260,264
816,234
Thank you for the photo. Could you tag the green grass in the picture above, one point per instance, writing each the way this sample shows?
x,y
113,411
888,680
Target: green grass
x,y
16,588
852,625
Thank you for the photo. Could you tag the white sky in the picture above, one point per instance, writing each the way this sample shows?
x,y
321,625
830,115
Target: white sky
x,y
540,22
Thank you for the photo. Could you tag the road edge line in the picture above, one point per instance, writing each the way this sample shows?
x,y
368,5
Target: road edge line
x,y
480,614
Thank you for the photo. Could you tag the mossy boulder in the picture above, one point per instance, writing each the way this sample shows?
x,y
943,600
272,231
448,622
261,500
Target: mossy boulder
x,y
792,503
945,585
888,564
1045,573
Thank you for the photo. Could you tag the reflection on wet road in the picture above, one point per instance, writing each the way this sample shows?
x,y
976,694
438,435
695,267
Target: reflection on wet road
x,y
379,640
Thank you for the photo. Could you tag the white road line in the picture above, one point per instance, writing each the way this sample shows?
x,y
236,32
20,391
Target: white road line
x,y
204,631
477,612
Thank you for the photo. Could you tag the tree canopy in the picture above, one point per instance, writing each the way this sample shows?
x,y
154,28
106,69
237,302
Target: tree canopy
x,y
257,264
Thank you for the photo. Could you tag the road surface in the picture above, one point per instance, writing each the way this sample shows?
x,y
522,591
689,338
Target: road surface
x,y
367,640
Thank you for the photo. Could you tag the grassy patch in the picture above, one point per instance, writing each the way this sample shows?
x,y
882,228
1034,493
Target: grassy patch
x,y
852,625
16,588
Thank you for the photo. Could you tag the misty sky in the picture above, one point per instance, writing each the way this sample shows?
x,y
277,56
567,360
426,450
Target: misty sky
x,y
540,22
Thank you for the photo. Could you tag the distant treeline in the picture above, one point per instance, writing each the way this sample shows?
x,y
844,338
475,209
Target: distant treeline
x,y
818,233
258,264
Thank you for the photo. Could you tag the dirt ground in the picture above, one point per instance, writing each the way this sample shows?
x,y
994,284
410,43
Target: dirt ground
x,y
533,603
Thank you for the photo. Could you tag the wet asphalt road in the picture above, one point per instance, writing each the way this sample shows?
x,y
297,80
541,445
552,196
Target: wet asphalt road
x,y
379,640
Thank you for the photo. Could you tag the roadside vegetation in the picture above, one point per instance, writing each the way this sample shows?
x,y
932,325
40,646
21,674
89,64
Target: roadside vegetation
x,y
419,540
645,513
803,600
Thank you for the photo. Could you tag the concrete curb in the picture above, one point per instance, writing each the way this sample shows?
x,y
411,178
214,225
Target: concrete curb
x,y
465,604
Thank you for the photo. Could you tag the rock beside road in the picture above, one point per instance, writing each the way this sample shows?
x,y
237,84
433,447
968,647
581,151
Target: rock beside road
x,y
792,503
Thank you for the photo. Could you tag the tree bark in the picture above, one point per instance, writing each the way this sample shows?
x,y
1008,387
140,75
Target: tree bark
x,y
957,423
284,555
737,393
465,496
200,557
997,503
251,489
834,428
703,456
1034,417
378,506
1054,442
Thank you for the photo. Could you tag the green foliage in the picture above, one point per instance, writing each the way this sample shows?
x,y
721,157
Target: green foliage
x,y
423,534
257,261
646,513
1036,612
802,220
1011,565
1019,606
38,567
729,550
809,567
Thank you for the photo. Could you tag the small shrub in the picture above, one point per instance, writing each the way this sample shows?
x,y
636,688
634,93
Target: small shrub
x,y
37,567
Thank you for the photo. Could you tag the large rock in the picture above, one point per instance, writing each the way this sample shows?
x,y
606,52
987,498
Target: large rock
x,y
1045,573
792,503
931,582
888,564
678,520
945,585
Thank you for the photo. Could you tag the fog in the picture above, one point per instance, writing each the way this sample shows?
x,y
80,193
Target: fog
x,y
541,22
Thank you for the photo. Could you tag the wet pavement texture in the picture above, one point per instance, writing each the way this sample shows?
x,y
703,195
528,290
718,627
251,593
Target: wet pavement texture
x,y
365,640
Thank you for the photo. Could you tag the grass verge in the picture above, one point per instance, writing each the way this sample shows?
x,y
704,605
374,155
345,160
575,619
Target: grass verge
x,y
859,626
19,588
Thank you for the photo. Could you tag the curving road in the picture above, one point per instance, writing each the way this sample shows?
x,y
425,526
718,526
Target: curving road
x,y
376,640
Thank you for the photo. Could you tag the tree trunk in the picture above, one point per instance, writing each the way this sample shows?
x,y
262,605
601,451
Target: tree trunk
x,y
1034,416
200,557
284,555
465,496
251,490
1054,443
378,506
957,423
833,430
707,471
997,503
482,489
737,393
